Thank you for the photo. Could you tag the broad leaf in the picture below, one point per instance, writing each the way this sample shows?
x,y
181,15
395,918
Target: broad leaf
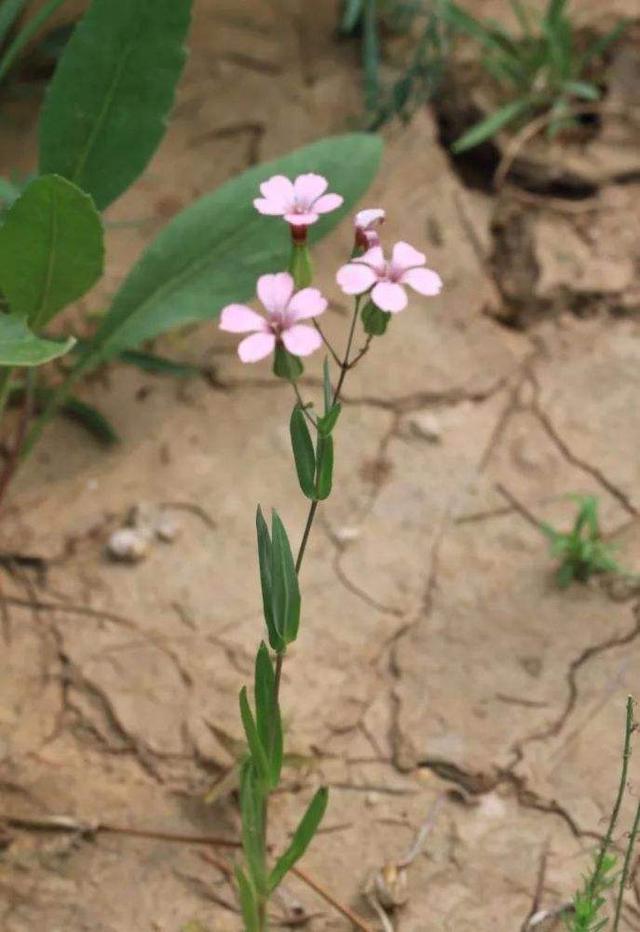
x,y
20,347
106,108
51,249
213,252
301,838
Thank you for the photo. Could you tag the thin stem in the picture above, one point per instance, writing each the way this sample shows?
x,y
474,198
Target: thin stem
x,y
625,869
306,533
326,342
345,366
626,754
303,406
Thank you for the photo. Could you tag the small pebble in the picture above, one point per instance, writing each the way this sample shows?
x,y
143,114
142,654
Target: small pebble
x,y
345,535
372,799
166,527
128,545
427,426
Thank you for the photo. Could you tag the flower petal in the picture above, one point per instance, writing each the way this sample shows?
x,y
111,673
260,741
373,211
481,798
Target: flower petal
x,y
425,281
307,303
307,188
355,278
369,217
275,291
301,220
268,208
374,257
256,347
405,256
389,296
327,203
238,318
301,340
278,190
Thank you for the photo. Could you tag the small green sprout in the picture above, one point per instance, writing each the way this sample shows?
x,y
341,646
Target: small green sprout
x,y
540,69
582,551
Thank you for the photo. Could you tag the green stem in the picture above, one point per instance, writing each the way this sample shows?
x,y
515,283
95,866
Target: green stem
x,y
626,866
26,34
344,368
626,754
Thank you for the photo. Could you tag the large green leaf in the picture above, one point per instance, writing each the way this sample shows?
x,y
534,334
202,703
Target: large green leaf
x,y
20,347
51,249
106,107
213,252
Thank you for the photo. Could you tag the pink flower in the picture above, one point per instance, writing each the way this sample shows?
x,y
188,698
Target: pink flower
x,y
300,202
284,311
366,223
387,279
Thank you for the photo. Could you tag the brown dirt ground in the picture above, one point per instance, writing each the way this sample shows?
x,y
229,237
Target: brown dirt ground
x,y
436,655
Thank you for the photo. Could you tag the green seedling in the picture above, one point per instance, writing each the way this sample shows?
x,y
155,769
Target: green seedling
x,y
582,551
588,904
540,69
421,75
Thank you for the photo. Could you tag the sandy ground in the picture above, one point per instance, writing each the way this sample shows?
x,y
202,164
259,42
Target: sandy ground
x,y
438,664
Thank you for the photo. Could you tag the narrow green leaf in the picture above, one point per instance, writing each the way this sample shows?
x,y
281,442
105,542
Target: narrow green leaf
x,y
582,89
265,561
351,15
303,452
268,719
285,589
488,127
248,902
20,347
327,390
459,19
371,55
91,419
26,34
105,111
600,45
301,838
324,477
257,749
10,10
564,575
160,365
252,799
213,252
51,249
326,423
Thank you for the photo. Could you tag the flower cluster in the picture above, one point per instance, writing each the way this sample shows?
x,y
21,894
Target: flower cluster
x,y
368,274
